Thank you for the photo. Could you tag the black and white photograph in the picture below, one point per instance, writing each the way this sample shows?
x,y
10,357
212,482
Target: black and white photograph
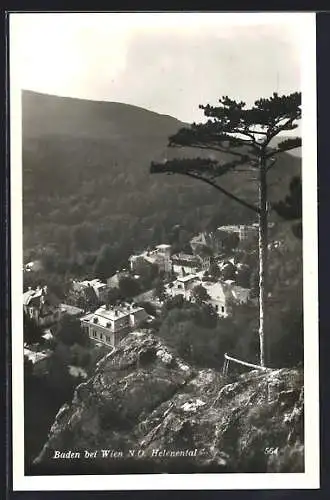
x,y
164,250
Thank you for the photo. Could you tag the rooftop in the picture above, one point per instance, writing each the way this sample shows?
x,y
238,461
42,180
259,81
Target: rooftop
x,y
185,256
36,356
96,283
30,295
189,277
163,246
73,310
105,314
226,289
27,296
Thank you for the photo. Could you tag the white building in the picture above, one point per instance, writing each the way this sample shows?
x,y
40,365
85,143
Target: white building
x,y
160,256
183,263
71,310
244,232
183,286
114,280
42,306
110,325
39,360
202,240
98,286
222,295
218,297
33,266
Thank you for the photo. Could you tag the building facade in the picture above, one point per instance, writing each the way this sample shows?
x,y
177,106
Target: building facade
x,y
206,240
183,264
243,231
42,306
97,285
159,256
72,311
222,295
183,285
109,325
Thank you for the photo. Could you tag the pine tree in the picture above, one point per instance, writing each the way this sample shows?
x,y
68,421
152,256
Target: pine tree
x,y
245,135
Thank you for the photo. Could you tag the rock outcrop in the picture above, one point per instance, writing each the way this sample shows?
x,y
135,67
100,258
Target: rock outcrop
x,y
145,410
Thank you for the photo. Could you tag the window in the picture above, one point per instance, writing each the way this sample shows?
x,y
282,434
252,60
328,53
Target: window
x,y
222,309
217,308
101,336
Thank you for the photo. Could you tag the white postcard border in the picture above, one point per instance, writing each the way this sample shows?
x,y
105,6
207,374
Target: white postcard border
x,y
307,480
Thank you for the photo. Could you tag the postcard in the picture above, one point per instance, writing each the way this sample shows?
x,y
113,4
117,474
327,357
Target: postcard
x,y
164,251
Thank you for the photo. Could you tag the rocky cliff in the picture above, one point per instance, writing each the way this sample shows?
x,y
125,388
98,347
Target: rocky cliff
x,y
145,410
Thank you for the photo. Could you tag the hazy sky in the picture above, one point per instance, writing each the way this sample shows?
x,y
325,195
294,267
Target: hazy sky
x,y
168,63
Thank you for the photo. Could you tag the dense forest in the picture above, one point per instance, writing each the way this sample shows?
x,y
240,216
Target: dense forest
x,y
89,201
88,198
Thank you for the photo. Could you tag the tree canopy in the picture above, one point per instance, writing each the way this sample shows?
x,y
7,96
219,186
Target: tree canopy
x,y
291,207
241,133
244,135
200,294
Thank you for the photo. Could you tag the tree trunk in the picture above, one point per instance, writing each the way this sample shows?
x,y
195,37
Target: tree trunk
x,y
263,247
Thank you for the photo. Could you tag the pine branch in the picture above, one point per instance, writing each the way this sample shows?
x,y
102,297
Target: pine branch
x,y
199,165
199,169
213,147
203,137
286,145
224,191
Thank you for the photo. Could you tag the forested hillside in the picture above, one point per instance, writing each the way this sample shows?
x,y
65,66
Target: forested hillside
x,y
88,191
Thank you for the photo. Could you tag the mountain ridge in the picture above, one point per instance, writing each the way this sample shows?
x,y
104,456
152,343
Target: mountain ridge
x,y
31,93
86,169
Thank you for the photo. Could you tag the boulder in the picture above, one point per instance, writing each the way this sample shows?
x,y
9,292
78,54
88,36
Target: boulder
x,y
146,410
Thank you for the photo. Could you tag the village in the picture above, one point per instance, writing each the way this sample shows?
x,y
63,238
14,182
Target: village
x,y
209,274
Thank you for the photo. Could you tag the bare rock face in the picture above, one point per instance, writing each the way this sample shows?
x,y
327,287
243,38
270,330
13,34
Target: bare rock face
x,y
145,410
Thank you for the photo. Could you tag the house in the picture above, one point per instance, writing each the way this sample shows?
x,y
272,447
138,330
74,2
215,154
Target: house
x,y
147,296
33,266
39,360
183,263
183,286
244,232
218,297
74,311
97,285
223,294
113,281
159,256
139,263
110,325
206,240
163,254
100,289
42,306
